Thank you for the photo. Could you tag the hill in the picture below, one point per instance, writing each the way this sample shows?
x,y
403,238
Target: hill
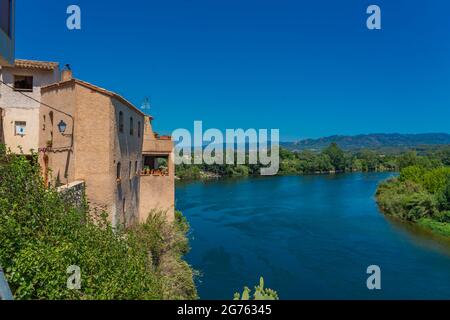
x,y
373,141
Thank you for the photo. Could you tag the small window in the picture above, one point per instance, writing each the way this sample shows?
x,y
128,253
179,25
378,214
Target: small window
x,y
23,83
136,168
139,129
20,128
119,168
129,171
121,121
131,126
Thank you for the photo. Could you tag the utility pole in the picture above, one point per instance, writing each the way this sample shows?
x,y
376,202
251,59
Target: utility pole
x,y
5,291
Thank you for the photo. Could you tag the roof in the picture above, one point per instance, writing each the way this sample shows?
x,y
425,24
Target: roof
x,y
94,88
40,65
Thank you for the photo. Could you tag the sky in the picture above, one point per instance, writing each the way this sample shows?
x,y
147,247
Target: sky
x,y
308,68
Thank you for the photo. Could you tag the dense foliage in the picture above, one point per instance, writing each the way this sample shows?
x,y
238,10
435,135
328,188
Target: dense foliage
x,y
420,194
330,159
42,235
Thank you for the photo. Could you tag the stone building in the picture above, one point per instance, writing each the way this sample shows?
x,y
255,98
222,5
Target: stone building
x,y
93,135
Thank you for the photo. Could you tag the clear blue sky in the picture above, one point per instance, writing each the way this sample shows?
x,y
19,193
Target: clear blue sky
x,y
309,68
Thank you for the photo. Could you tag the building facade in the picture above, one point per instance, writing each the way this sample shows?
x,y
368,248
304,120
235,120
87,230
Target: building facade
x,y
94,135
157,187
20,95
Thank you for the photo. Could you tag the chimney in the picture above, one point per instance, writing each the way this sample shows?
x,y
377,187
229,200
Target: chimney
x,y
66,74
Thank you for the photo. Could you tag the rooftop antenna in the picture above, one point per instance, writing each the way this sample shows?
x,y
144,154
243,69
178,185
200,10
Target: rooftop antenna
x,y
146,104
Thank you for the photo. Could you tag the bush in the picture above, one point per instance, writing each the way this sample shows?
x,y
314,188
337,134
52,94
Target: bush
x,y
412,173
436,180
444,197
42,235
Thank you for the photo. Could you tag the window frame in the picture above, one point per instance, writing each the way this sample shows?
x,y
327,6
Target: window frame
x,y
16,124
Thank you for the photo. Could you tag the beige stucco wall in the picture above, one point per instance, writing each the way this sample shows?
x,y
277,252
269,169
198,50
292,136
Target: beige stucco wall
x,y
29,141
17,107
157,192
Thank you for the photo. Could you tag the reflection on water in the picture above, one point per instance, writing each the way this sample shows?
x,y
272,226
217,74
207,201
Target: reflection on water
x,y
421,236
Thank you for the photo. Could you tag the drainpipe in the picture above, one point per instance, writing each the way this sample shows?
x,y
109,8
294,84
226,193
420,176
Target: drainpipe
x,y
5,292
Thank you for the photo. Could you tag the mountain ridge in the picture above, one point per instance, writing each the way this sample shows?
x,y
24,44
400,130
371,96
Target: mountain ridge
x,y
372,141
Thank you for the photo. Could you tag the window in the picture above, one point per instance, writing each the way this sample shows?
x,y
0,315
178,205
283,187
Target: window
x,y
121,121
131,126
139,129
5,16
20,128
119,168
136,168
129,171
23,83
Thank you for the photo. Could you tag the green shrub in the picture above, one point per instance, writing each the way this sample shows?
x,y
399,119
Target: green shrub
x,y
443,197
260,293
42,235
419,205
436,180
412,173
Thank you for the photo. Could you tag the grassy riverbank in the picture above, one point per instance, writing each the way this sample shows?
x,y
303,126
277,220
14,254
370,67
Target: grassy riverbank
x,y
42,235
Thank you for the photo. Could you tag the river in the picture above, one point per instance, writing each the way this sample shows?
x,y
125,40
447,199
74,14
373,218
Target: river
x,y
311,237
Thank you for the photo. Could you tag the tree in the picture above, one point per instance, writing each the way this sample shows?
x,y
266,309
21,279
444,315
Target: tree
x,y
337,156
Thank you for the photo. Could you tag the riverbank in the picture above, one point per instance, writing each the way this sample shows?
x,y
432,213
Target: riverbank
x,y
419,195
331,160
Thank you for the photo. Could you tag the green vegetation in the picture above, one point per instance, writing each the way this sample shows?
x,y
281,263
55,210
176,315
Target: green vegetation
x,y
43,234
330,160
421,194
260,293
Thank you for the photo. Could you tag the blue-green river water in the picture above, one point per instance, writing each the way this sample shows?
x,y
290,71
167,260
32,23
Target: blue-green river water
x,y
311,237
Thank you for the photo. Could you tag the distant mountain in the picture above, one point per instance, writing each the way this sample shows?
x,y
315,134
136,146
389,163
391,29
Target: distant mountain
x,y
372,141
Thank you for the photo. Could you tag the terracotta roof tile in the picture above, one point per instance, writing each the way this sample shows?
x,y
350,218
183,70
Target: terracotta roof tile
x,y
31,64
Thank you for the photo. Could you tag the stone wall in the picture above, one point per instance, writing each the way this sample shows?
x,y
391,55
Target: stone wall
x,y
74,193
